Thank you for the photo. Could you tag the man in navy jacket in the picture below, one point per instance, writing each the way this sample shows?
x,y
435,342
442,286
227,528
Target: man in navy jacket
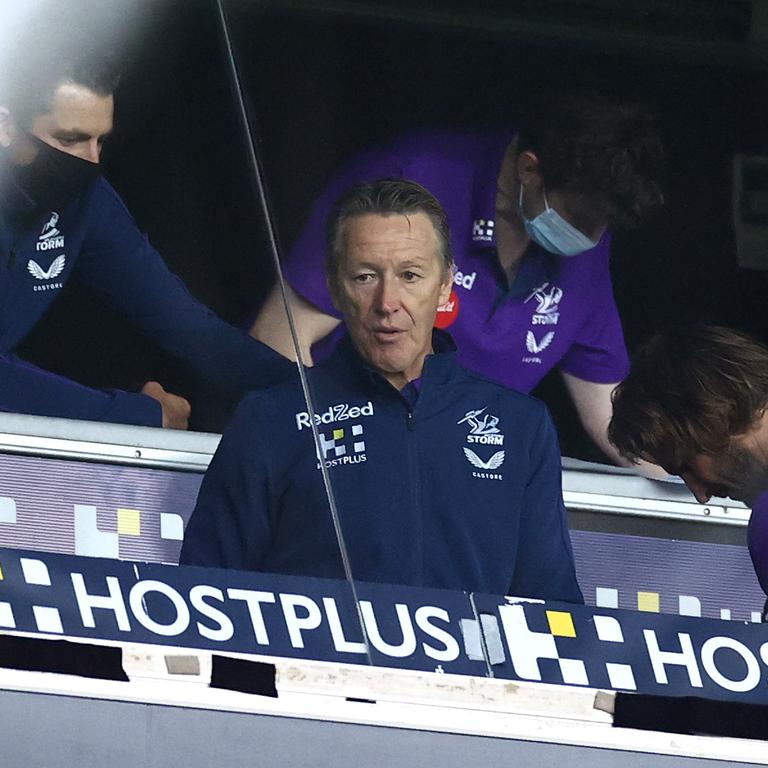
x,y
442,478
61,220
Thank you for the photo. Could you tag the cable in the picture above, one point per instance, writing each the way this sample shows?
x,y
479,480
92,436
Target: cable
x,y
275,251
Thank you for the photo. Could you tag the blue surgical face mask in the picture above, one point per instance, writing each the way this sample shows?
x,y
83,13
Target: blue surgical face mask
x,y
553,233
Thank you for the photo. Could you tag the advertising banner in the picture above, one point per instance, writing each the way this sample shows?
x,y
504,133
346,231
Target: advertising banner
x,y
237,612
139,513
628,650
422,629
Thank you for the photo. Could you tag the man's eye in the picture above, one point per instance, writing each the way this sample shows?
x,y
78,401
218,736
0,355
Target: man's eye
x,y
409,277
365,277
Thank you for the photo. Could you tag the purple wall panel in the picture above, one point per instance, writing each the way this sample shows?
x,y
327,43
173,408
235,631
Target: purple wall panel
x,y
100,510
638,572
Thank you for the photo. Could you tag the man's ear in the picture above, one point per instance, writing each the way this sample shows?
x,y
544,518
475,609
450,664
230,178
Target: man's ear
x,y
529,171
7,128
447,286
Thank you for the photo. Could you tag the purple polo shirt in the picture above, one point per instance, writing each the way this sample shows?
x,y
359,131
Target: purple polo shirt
x,y
558,312
757,539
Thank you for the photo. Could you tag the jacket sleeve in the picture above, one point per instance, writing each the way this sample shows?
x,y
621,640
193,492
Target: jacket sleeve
x,y
119,264
229,527
544,567
24,388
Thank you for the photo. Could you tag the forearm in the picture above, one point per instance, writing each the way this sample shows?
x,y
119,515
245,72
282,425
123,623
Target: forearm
x,y
644,468
597,429
593,404
272,327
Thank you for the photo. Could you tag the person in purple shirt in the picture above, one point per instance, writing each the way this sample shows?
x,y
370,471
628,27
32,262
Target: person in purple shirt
x,y
695,402
60,220
529,212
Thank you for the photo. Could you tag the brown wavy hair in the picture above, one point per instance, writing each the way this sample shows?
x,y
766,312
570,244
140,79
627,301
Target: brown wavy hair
x,y
691,389
607,151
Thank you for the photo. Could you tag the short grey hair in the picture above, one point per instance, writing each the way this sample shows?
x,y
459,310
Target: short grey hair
x,y
383,197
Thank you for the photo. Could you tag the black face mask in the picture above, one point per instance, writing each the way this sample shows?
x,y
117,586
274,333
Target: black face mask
x,y
54,178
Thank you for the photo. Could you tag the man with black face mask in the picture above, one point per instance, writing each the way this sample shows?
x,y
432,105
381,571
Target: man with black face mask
x,y
59,220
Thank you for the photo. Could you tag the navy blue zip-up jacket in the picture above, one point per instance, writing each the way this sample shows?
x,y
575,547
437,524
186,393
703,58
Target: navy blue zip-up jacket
x,y
460,491
96,241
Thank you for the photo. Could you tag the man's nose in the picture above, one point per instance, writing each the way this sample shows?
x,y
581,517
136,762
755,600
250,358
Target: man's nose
x,y
698,488
388,296
93,151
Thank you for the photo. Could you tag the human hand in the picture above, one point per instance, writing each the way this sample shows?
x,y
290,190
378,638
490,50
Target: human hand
x,y
176,409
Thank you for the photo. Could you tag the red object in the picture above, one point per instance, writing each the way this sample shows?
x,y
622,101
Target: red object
x,y
448,312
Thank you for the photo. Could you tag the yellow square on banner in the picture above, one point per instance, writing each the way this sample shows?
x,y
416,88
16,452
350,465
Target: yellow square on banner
x,y
648,601
561,624
1,573
338,434
129,522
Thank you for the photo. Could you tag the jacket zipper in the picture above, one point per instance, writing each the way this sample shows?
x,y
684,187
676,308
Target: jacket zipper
x,y
415,470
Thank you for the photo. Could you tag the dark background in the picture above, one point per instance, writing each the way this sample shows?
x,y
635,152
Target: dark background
x,y
322,82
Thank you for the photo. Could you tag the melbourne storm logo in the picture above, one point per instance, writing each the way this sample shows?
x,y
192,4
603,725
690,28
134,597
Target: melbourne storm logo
x,y
483,429
50,237
548,298
481,426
